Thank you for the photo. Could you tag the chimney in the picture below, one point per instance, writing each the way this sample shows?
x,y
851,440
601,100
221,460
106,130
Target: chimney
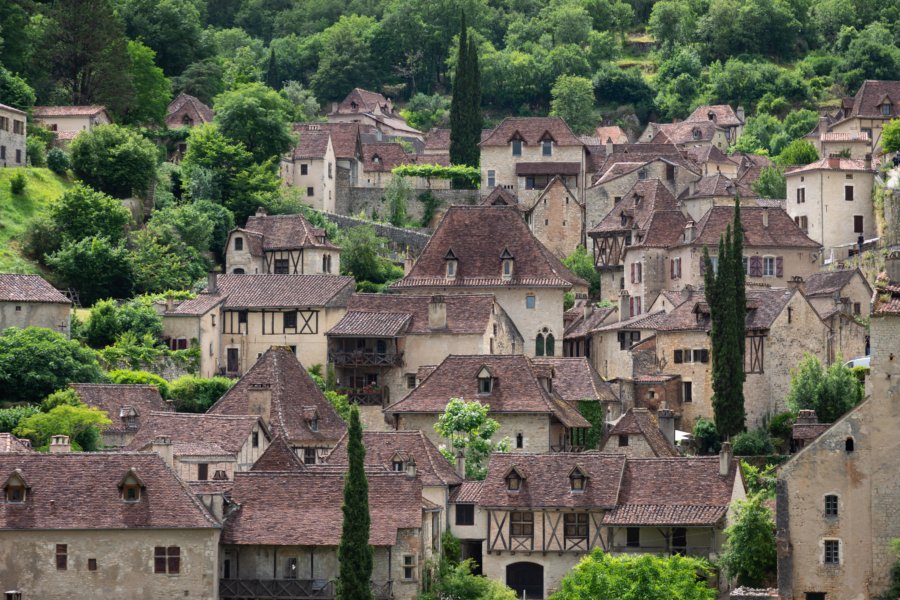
x,y
212,287
389,106
261,212
765,217
609,146
666,418
823,126
408,263
725,457
834,161
59,444
170,302
437,313
807,417
587,309
796,283
690,231
411,468
624,305
259,400
162,445
334,107
461,464
740,113
686,292
25,442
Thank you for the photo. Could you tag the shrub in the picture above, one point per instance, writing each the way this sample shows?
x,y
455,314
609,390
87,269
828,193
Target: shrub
x,y
10,417
58,161
41,239
753,443
36,152
66,397
127,376
706,437
781,427
17,183
196,394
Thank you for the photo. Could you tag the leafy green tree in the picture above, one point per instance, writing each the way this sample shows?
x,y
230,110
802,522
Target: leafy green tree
x,y
749,551
872,54
425,112
36,152
361,255
108,320
114,160
15,91
172,28
469,429
771,183
890,136
95,267
130,377
465,103
601,576
346,59
798,152
81,423
798,123
673,23
753,443
573,100
706,436
256,116
830,392
581,263
615,86
152,91
202,79
304,103
196,394
397,193
82,212
10,417
35,361
161,261
58,161
354,553
185,222
456,582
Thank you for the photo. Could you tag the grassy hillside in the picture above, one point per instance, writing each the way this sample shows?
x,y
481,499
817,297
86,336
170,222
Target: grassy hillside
x,y
17,212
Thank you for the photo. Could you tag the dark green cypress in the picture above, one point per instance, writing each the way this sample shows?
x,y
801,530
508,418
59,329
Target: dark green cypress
x,y
740,277
475,118
354,553
272,78
459,113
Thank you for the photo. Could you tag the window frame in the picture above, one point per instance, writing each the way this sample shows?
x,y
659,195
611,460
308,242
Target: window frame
x,y
546,147
832,507
287,317
578,523
309,453
768,261
167,560
632,537
516,146
849,191
238,244
491,178
831,552
466,518
62,557
521,524
530,302
409,566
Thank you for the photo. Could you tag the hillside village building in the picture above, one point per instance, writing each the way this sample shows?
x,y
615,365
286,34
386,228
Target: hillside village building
x,y
127,406
311,168
68,121
12,137
187,111
864,115
30,301
373,109
640,434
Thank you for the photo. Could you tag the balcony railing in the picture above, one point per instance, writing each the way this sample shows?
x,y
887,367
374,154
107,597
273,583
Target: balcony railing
x,y
291,589
699,551
364,396
365,358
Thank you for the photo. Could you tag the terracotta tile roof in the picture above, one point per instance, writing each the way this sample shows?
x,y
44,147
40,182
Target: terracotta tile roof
x,y
664,230
120,401
197,306
66,111
385,315
724,115
781,231
576,379
437,140
364,100
81,490
871,94
642,321
706,154
547,168
501,196
618,169
886,299
639,421
645,197
344,137
467,493
304,508
278,457
751,165
271,291
28,288
808,431
185,104
717,185
613,132
580,327
684,132
292,391
826,283
311,145
197,434
846,136
287,232
67,135
381,447
532,130
11,109
836,164
763,307
477,237
673,491
383,157
10,443
547,483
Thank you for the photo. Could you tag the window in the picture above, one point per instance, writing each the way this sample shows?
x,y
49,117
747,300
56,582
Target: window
x,y
768,266
451,269
131,488
687,391
857,223
617,199
465,514
2,151
815,596
623,441
18,308
637,272
831,505
715,263
576,481
857,308
633,537
517,147
411,382
530,301
329,171
281,266
575,526
832,552
304,169
642,174
670,172
550,345
309,456
397,465
92,564
484,385
255,439
18,156
675,268
848,193
167,559
802,223
507,268
700,355
628,338
521,524
679,357
801,195
242,317
290,320
409,567
62,557
491,178
547,148
513,481
290,568
314,424
849,446
4,123
310,191
238,243
237,271
202,472
520,441
886,109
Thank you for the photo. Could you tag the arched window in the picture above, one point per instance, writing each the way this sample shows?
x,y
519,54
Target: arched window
x,y
848,444
539,345
238,271
549,345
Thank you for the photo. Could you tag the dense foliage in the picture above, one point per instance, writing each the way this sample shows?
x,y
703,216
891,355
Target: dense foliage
x,y
830,392
468,429
749,551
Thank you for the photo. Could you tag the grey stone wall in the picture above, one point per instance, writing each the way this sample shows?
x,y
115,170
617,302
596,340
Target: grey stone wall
x,y
355,200
400,238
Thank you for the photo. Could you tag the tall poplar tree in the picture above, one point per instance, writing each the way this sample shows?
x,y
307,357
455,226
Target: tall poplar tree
x,y
475,121
354,553
459,100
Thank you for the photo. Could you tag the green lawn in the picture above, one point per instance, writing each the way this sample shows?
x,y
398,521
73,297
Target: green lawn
x,y
16,212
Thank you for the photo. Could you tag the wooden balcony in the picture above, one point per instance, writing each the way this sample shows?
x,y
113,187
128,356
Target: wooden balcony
x,y
291,589
364,396
365,358
696,551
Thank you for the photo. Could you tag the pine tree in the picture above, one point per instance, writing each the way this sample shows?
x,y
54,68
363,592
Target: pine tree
x,y
354,553
459,100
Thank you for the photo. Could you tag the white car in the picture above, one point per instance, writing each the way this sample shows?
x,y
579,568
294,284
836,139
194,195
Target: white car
x,y
858,362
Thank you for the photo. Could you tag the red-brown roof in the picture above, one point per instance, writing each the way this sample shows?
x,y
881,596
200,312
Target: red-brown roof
x,y
381,447
645,197
293,390
808,431
763,307
547,168
639,421
532,130
81,491
871,94
197,434
10,443
185,104
364,101
886,298
575,379
781,231
718,185
466,493
28,288
613,132
478,237
501,196
304,508
580,326
665,229
547,483
720,114
384,157
344,137
279,456
437,140
684,132
287,232
271,291
67,111
313,144
826,283
120,401
834,164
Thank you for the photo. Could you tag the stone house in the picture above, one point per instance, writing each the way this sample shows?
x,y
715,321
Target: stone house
x,y
518,391
187,111
68,121
715,190
372,109
842,299
645,264
310,167
285,526
10,443
524,154
875,104
612,342
576,380
238,317
490,250
806,428
640,434
716,117
713,161
691,134
127,406
91,525
725,117
556,217
280,245
12,137
577,337
612,133
380,158
203,447
278,389
381,342
30,301
837,498
831,199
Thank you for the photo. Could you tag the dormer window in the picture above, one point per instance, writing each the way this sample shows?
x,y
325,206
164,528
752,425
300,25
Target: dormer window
x,y
238,243
516,147
887,109
354,106
506,259
547,147
312,417
376,159
513,481
187,121
451,264
711,116
577,480
131,486
397,465
485,381
696,133
16,488
642,174
624,219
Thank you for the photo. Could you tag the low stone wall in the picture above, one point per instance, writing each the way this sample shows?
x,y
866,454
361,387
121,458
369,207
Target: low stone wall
x,y
401,239
356,200
743,593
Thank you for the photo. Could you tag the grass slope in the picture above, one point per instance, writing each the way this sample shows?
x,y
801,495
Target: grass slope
x,y
17,212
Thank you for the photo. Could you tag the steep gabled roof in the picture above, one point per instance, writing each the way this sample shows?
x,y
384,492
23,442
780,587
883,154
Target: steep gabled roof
x,y
639,421
437,140
827,283
871,94
292,390
718,185
383,157
501,196
312,145
270,291
279,456
193,433
685,132
832,164
117,399
532,130
576,379
611,132
67,111
10,443
362,101
556,182
580,326
28,288
287,232
345,139
781,231
638,205
763,307
724,115
187,105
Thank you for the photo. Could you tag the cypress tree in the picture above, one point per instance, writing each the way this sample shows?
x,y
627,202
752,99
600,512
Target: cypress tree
x,y
740,277
272,78
354,553
459,113
475,120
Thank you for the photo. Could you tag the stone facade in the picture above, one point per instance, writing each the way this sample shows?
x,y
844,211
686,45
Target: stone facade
x,y
12,137
370,200
313,176
557,218
55,316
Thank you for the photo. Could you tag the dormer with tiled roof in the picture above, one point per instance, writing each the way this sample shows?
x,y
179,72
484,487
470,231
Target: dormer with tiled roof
x,y
187,111
637,434
127,406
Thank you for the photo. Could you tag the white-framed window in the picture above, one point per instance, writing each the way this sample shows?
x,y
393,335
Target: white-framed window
x,y
491,178
768,266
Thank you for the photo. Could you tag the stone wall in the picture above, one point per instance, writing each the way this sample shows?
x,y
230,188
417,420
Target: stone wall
x,y
353,200
401,239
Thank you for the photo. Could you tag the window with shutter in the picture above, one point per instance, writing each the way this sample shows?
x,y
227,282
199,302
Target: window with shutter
x,y
672,268
756,266
704,356
632,272
640,272
637,305
631,307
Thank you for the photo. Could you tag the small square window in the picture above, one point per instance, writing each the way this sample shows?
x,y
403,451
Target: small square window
x,y
310,192
623,441
92,564
465,514
484,385
814,596
18,308
409,567
411,382
309,456
304,169
530,301
290,320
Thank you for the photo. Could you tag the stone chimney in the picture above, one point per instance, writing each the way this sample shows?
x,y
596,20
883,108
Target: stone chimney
x,y
740,113
170,302
334,107
686,292
587,309
666,418
25,442
610,147
212,286
725,457
437,313
261,212
389,107
411,468
823,126
690,231
461,464
765,217
408,263
59,444
834,161
259,400
796,283
624,305
162,445
807,417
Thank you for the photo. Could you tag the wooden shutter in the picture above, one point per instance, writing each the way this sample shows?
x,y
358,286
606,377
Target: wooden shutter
x,y
632,272
671,268
704,356
640,272
679,266
779,266
755,266
637,305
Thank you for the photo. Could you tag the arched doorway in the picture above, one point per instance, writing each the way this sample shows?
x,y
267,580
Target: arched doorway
x,y
526,577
